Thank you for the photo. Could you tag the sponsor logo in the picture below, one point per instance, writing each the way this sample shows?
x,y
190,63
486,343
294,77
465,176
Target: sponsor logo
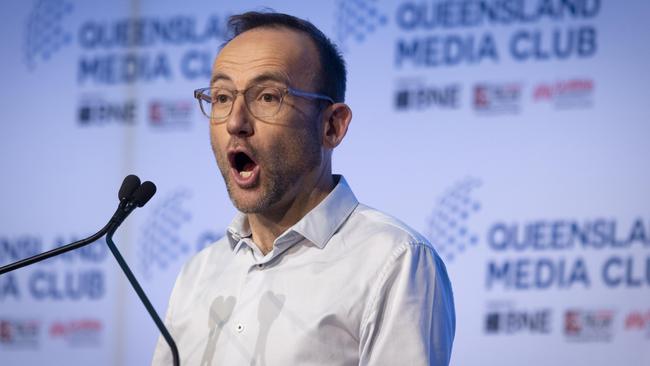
x,y
95,110
19,333
638,321
589,325
170,114
418,96
493,98
507,320
79,332
572,93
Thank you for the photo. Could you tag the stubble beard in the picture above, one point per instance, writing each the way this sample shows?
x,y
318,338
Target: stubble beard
x,y
281,169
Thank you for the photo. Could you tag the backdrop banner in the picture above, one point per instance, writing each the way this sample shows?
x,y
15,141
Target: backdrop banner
x,y
513,134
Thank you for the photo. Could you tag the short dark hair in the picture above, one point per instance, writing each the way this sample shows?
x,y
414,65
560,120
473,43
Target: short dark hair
x,y
332,76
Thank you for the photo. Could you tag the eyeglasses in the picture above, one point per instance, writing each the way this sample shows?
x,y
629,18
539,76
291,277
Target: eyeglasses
x,y
261,101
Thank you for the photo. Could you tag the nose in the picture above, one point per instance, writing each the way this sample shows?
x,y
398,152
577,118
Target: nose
x,y
239,122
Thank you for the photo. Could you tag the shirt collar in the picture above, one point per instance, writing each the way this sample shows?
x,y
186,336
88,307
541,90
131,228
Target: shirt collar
x,y
238,230
317,226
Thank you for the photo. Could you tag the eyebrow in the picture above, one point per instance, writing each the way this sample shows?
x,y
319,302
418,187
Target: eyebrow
x,y
219,76
266,76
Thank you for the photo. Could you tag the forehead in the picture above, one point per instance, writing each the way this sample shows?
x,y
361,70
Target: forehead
x,y
279,52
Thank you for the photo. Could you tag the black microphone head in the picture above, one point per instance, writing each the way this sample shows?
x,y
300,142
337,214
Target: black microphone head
x,y
128,188
144,193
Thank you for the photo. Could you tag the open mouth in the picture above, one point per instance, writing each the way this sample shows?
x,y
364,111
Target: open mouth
x,y
243,164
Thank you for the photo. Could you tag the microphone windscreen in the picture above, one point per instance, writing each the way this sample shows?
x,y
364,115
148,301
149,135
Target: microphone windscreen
x,y
143,194
129,185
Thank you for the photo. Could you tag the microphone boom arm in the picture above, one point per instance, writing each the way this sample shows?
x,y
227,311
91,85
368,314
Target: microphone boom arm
x,y
56,251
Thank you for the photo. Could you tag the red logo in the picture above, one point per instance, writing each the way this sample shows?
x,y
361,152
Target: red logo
x,y
565,93
19,332
588,325
77,332
170,113
497,98
638,320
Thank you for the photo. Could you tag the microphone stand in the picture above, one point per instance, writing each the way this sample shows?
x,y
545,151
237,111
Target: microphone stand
x,y
143,297
132,195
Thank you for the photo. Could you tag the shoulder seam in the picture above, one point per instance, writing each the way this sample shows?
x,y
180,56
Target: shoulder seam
x,y
385,269
414,236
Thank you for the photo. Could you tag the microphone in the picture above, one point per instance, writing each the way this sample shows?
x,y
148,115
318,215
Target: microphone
x,y
132,195
144,193
129,185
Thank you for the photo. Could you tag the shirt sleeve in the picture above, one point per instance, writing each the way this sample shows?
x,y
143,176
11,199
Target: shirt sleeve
x,y
409,318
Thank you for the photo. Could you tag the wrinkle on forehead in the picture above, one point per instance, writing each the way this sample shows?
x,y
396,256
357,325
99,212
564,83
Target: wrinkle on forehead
x,y
271,74
285,53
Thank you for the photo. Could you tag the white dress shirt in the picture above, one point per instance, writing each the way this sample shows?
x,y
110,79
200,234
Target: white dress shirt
x,y
345,285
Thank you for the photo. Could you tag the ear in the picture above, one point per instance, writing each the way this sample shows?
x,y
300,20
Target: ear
x,y
336,119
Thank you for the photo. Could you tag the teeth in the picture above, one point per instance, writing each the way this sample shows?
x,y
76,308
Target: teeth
x,y
245,174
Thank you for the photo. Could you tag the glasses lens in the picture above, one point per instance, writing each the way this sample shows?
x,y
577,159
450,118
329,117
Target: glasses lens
x,y
264,101
220,102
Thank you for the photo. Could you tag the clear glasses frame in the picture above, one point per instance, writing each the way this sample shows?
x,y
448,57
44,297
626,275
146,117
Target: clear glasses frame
x,y
260,100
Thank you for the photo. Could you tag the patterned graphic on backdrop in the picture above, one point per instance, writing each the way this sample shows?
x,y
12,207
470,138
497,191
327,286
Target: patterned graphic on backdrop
x,y
161,242
448,228
357,19
45,33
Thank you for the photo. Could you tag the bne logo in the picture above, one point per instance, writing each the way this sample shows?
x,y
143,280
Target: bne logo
x,y
96,111
513,321
420,97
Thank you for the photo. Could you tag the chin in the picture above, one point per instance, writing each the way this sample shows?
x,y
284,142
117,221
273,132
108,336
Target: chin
x,y
249,201
249,207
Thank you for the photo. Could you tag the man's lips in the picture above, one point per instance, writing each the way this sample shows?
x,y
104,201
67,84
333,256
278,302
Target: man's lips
x,y
243,168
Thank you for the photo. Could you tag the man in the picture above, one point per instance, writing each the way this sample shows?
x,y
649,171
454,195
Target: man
x,y
305,275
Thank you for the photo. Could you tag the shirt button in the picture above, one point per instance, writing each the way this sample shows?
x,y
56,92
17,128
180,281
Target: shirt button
x,y
260,266
240,328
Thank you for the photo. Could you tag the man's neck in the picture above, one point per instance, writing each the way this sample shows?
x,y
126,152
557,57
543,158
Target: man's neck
x,y
267,226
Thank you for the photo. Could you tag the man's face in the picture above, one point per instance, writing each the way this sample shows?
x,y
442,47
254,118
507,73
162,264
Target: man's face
x,y
265,163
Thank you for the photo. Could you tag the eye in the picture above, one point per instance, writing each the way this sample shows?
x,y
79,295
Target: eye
x,y
221,97
269,95
269,98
